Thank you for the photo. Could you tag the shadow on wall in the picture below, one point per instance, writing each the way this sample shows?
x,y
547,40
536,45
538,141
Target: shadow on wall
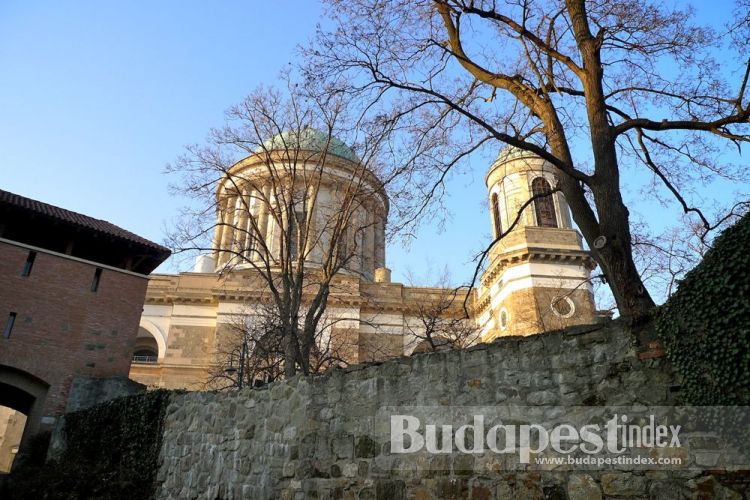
x,y
21,393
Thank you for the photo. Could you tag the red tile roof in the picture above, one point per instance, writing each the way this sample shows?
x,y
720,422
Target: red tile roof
x,y
12,200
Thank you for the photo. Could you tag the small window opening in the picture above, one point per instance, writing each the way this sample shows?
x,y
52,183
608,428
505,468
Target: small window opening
x,y
29,264
9,325
503,319
96,280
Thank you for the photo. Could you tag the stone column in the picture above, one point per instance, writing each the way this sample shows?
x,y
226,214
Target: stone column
x,y
251,233
312,224
358,263
228,234
272,239
368,266
219,229
263,216
564,218
527,194
379,241
243,210
505,206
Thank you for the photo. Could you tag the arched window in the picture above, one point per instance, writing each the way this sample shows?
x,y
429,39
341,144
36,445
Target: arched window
x,y
496,216
545,205
146,348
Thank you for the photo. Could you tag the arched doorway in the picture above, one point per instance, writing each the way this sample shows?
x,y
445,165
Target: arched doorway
x,y
146,348
22,398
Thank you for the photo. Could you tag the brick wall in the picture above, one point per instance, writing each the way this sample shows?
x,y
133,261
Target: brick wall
x,y
62,328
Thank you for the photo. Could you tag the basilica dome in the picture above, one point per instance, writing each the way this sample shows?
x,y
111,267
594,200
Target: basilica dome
x,y
309,139
253,203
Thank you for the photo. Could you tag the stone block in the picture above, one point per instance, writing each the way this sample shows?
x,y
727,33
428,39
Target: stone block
x,y
463,465
623,484
366,447
668,490
342,446
537,398
583,487
452,489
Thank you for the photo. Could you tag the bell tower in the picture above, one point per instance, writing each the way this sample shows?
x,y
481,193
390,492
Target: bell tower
x,y
538,277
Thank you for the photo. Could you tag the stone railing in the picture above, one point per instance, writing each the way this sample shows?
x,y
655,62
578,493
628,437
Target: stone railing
x,y
145,359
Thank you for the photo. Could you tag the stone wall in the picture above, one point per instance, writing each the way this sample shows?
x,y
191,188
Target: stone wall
x,y
328,436
86,392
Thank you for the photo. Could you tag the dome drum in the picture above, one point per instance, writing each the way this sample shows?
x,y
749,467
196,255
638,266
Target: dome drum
x,y
301,190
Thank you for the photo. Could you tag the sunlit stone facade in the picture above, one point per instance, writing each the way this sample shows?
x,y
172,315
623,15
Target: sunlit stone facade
x,y
537,278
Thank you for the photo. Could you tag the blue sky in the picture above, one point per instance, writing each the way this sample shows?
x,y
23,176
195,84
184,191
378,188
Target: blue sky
x,y
96,97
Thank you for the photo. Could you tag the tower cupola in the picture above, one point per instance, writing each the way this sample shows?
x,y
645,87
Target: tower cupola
x,y
538,277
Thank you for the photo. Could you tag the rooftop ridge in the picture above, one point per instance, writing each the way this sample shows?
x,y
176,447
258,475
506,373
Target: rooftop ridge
x,y
13,200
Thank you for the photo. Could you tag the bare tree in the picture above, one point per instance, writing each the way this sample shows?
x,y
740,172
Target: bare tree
x,y
249,349
288,208
635,82
438,320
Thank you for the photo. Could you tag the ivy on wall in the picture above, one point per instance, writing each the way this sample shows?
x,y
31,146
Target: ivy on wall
x,y
705,325
112,453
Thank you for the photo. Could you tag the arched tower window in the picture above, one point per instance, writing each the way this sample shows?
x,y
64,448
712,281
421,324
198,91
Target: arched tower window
x,y
496,216
545,205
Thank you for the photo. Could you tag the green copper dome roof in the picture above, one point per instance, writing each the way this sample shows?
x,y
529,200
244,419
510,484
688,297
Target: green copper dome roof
x,y
508,154
511,153
310,139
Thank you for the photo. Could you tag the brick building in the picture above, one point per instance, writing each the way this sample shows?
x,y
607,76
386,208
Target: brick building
x,y
71,294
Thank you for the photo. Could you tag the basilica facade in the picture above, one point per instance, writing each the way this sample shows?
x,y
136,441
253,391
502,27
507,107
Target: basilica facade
x,y
537,276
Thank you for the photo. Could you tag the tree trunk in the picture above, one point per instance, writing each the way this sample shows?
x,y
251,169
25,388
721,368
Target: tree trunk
x,y
310,327
616,254
611,219
290,352
631,296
